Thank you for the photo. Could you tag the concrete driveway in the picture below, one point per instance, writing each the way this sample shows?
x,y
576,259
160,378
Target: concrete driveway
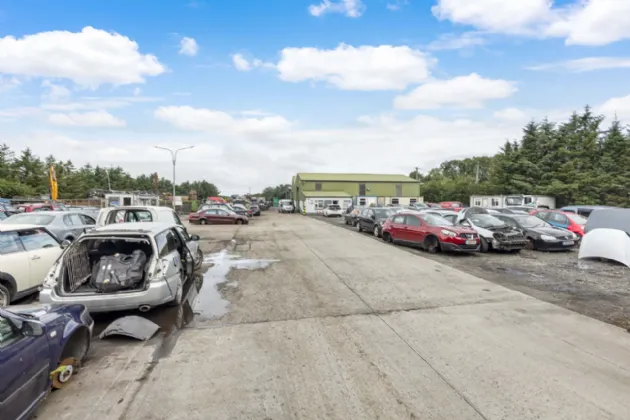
x,y
317,322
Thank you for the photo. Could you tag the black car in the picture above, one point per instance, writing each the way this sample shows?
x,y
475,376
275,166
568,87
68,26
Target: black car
x,y
372,219
352,213
255,210
540,234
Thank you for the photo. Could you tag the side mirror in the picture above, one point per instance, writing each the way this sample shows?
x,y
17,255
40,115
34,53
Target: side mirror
x,y
65,244
194,237
373,217
31,329
465,223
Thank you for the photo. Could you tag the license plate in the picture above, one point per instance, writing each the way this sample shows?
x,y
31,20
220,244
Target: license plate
x,y
568,243
471,242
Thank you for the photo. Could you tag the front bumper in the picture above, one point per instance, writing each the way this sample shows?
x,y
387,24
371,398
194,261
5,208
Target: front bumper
x,y
508,245
158,293
554,245
451,247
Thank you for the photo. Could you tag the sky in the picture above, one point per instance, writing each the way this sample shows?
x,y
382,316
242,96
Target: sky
x,y
264,89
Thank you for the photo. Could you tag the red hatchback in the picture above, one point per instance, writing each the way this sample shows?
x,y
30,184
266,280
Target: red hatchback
x,y
217,217
566,220
451,205
434,233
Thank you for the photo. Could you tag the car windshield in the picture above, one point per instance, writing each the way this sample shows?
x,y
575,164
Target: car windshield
x,y
38,219
334,207
383,213
530,221
577,219
435,220
486,221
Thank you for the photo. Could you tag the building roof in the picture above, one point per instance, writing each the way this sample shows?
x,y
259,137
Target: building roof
x,y
355,177
325,194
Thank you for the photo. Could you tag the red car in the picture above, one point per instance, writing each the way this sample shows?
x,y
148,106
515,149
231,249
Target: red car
x,y
28,208
451,205
566,220
432,232
217,217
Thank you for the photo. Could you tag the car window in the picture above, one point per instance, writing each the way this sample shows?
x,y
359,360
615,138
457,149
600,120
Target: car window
x,y
211,211
67,221
450,217
172,241
577,219
2,215
543,215
222,212
412,221
10,243
35,239
87,220
559,218
399,219
162,244
8,332
139,216
38,219
76,220
183,233
507,220
176,219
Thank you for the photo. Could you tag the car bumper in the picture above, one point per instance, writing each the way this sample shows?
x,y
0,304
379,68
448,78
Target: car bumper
x,y
158,293
451,247
554,245
508,245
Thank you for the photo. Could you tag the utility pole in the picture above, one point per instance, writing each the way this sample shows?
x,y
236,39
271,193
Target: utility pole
x,y
174,159
109,182
417,173
477,174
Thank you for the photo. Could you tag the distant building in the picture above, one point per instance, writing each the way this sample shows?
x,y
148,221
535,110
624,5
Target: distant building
x,y
314,191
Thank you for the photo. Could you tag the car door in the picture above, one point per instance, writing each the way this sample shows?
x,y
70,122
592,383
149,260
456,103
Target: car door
x,y
78,227
397,225
211,216
88,222
193,246
169,256
14,260
24,369
223,217
42,249
413,231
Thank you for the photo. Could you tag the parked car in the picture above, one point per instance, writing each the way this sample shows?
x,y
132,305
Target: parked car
x,y
333,210
26,254
418,206
351,215
286,206
66,225
28,208
584,211
540,235
217,217
133,214
213,205
147,264
451,205
255,210
430,231
570,221
494,233
41,347
372,219
505,210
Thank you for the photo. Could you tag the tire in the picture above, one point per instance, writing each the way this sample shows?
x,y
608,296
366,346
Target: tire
x,y
5,296
387,237
484,245
70,238
432,244
239,222
359,227
71,357
530,244
203,222
199,259
515,251
375,231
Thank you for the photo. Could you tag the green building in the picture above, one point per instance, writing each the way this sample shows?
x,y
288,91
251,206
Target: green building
x,y
314,191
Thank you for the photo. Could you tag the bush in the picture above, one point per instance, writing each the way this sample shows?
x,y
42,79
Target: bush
x,y
10,189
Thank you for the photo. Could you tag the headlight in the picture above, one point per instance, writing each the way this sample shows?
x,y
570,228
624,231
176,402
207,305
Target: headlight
x,y
449,233
548,238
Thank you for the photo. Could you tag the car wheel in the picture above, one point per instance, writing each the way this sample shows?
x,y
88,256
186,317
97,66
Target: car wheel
x,y
359,227
432,244
530,244
376,231
199,258
239,222
72,355
484,245
203,222
387,237
5,296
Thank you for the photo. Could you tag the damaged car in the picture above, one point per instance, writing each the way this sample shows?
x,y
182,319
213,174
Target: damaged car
x,y
541,235
494,234
123,267
41,347
607,235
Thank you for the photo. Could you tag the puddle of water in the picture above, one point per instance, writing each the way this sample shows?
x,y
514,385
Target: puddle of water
x,y
210,304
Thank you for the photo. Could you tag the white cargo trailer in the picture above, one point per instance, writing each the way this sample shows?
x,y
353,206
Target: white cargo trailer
x,y
501,201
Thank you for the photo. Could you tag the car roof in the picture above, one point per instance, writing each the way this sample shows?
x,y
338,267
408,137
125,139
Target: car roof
x,y
144,227
11,228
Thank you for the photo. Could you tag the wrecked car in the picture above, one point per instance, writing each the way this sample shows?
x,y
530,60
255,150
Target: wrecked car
x,y
494,234
41,347
124,266
541,235
131,214
607,235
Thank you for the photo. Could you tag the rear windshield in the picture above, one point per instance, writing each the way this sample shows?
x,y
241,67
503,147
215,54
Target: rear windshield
x,y
486,221
39,219
577,219
334,207
384,213
435,220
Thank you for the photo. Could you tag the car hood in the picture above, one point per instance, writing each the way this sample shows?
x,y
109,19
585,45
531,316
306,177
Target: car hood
x,y
46,313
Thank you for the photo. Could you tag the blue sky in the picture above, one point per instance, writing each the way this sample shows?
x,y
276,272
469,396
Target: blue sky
x,y
264,89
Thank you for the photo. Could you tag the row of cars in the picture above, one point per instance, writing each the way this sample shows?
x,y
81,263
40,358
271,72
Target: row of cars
x,y
469,229
226,213
132,258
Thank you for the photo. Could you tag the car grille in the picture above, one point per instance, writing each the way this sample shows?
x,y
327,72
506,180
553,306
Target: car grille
x,y
467,235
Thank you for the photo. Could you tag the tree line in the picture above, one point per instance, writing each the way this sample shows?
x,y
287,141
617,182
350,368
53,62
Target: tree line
x,y
579,161
26,175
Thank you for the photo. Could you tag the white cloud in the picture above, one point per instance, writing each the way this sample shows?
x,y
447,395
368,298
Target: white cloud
x,y
97,103
54,91
86,119
9,83
464,91
137,91
188,46
616,108
585,64
511,114
89,58
457,41
581,22
351,8
241,63
395,5
202,119
385,67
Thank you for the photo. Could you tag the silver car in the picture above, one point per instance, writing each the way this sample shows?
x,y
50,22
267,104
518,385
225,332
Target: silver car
x,y
171,256
65,225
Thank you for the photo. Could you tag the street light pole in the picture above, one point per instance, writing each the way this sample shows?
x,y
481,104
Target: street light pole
x,y
174,159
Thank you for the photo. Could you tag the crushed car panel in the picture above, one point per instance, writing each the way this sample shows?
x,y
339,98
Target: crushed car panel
x,y
131,326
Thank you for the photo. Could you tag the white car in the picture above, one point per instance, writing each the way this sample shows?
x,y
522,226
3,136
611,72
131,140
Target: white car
x,y
26,254
131,214
84,274
333,210
286,206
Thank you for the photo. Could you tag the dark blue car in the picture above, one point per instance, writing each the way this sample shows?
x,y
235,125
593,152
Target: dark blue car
x,y
40,348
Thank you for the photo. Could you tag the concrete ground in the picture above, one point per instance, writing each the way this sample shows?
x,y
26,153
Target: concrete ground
x,y
317,322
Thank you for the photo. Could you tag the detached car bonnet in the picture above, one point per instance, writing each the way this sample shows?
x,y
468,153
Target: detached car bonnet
x,y
607,235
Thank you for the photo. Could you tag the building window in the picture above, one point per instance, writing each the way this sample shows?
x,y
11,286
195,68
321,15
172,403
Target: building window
x,y
495,202
477,202
395,201
318,186
361,189
413,201
362,202
319,204
399,190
